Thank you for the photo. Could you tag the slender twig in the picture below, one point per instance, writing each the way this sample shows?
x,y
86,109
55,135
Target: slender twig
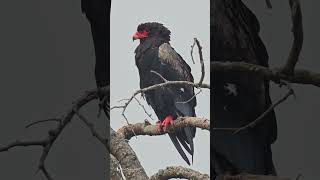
x,y
158,74
191,51
92,129
42,121
144,109
264,114
22,143
190,99
201,61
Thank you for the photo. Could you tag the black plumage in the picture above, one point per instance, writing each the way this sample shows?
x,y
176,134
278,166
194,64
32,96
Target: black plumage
x,y
97,13
155,53
239,98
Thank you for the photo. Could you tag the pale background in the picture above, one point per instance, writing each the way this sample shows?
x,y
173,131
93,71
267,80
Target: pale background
x,y
185,20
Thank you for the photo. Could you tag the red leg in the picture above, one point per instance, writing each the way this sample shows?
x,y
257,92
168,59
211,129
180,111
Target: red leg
x,y
167,122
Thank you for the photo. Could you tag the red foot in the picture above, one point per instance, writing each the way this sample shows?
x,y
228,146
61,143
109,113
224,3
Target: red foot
x,y
167,122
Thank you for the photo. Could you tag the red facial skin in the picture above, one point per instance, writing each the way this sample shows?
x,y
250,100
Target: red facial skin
x,y
165,123
140,35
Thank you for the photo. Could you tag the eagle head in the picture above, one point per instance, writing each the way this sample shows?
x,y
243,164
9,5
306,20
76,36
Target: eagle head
x,y
152,29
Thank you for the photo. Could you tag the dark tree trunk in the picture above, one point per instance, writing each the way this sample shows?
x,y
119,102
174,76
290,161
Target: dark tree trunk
x,y
237,98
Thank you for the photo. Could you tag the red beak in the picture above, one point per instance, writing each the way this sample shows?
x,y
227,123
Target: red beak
x,y
140,35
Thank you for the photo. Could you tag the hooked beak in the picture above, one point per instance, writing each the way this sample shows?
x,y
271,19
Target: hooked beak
x,y
139,35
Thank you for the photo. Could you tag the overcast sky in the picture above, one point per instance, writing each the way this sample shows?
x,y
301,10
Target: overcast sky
x,y
186,20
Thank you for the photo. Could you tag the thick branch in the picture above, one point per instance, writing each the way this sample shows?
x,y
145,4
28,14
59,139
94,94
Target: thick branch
x,y
121,150
300,76
179,172
131,130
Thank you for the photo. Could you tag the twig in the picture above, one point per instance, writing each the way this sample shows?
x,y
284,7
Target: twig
x,y
23,143
144,109
297,29
191,51
183,102
53,134
42,121
124,107
201,61
158,74
260,118
92,129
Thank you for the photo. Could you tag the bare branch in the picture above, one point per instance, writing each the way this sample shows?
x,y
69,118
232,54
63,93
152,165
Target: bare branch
x,y
158,74
42,121
53,134
141,91
144,109
261,117
191,51
201,61
179,172
151,130
183,102
264,114
297,29
93,130
300,76
121,150
23,144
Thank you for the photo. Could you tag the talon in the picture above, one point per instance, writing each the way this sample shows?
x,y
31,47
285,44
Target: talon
x,y
167,122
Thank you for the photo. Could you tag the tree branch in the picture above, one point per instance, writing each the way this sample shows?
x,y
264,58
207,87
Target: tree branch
x,y
179,172
300,76
53,134
121,150
297,29
146,128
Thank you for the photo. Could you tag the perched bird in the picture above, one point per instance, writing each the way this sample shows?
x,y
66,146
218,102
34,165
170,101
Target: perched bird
x,y
155,53
97,13
238,98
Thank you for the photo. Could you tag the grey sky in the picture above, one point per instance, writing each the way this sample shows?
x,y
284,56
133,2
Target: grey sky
x,y
186,20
